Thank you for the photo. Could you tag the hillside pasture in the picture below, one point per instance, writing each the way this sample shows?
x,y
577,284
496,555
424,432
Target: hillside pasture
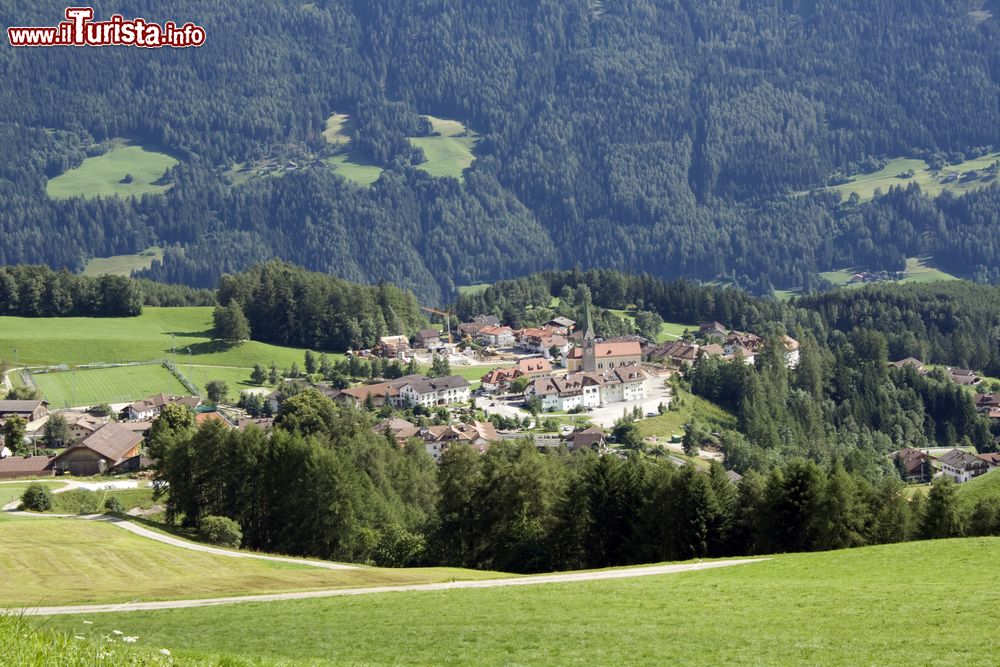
x,y
918,270
50,561
183,334
123,384
104,175
449,151
122,265
931,183
851,607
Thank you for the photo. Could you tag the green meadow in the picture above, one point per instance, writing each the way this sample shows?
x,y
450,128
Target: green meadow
x,y
872,606
51,561
81,388
105,174
706,414
918,270
349,163
448,150
122,265
151,336
866,185
668,330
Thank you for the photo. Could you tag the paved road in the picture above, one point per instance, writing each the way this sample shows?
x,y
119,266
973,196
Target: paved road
x,y
602,575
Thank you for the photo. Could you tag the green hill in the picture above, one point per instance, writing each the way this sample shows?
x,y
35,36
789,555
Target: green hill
x,y
865,606
981,487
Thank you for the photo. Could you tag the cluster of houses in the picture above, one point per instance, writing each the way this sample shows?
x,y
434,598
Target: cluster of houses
x,y
480,436
407,391
715,340
488,332
920,466
95,445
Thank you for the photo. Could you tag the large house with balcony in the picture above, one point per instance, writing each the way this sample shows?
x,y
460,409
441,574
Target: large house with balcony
x,y
434,392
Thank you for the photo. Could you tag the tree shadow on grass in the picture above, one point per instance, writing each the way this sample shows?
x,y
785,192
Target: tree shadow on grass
x,y
205,347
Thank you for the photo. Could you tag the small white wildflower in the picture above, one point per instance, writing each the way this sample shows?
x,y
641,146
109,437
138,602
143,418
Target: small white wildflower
x,y
129,640
88,622
117,632
165,651
78,637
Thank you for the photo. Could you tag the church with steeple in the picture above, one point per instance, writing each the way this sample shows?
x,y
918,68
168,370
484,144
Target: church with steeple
x,y
597,357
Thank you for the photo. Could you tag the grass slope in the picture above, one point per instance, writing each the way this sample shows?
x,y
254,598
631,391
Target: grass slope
x,y
82,340
12,491
122,265
930,183
668,330
449,151
102,175
46,561
917,271
708,415
974,490
870,606
107,385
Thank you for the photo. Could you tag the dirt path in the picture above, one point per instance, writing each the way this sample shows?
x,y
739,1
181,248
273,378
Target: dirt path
x,y
602,575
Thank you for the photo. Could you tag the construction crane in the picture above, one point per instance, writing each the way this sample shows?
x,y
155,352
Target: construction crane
x,y
440,313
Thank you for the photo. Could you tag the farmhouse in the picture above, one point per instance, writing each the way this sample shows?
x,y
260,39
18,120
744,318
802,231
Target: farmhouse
x,y
590,438
429,339
112,447
431,392
80,426
498,380
962,466
29,410
963,376
562,325
712,330
909,362
914,466
675,353
478,323
150,408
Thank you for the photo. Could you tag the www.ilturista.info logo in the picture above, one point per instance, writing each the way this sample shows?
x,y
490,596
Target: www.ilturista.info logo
x,y
79,29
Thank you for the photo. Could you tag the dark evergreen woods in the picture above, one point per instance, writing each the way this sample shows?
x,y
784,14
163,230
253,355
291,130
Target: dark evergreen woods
x,y
324,484
662,137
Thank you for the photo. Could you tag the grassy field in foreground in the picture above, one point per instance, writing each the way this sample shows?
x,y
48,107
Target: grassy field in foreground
x,y
122,265
82,340
449,151
865,185
103,175
871,606
107,385
46,561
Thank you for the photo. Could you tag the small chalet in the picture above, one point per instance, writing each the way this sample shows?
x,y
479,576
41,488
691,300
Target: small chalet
x,y
437,439
562,325
429,339
80,426
963,376
914,466
910,362
962,466
29,410
712,330
113,448
591,438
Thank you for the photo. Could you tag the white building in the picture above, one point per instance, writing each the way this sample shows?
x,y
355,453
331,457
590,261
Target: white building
x,y
591,390
433,392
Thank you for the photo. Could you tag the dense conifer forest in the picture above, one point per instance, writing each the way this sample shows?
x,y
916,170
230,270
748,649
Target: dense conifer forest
x,y
668,137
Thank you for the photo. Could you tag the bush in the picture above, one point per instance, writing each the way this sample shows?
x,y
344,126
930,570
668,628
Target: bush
x,y
80,501
112,504
37,498
222,531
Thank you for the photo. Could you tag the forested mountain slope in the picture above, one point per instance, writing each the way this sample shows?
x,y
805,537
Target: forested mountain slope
x,y
666,136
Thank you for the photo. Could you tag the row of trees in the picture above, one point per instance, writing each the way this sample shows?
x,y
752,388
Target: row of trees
x,y
325,484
